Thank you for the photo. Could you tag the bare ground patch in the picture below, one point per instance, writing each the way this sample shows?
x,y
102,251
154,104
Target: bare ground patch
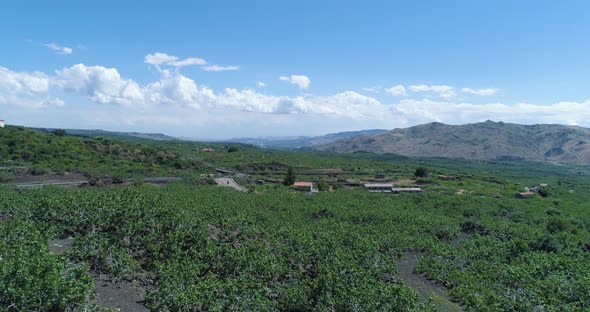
x,y
119,294
47,178
59,246
426,289
111,293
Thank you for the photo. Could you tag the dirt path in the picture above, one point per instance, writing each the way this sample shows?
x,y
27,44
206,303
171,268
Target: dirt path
x,y
44,184
229,182
425,288
123,295
51,179
32,182
127,296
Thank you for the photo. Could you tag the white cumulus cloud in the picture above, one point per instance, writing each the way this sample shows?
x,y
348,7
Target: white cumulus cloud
x,y
159,58
301,81
443,91
59,49
216,68
25,89
162,59
176,89
188,62
100,84
373,89
260,84
398,90
482,92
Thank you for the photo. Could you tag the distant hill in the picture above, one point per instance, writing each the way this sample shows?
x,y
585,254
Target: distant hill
x,y
302,141
486,140
43,150
94,133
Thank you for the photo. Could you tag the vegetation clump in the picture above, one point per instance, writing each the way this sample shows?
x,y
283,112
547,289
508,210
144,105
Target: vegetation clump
x,y
421,172
290,178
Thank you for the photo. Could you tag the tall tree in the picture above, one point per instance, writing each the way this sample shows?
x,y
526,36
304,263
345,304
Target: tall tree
x,y
290,178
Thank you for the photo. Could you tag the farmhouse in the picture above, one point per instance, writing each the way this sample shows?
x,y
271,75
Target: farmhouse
x,y
2,123
399,190
379,187
446,177
525,194
304,186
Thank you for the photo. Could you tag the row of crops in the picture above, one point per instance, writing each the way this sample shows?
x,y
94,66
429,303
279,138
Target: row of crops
x,y
215,249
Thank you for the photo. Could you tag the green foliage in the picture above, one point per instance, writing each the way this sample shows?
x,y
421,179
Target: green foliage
x,y
330,251
323,185
544,192
216,249
34,279
547,243
290,178
59,132
232,149
555,225
100,156
6,177
553,212
421,172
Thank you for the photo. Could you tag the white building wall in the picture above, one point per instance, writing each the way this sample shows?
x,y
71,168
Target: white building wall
x,y
2,124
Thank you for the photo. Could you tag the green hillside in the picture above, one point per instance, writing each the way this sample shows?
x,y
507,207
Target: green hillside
x,y
464,244
45,151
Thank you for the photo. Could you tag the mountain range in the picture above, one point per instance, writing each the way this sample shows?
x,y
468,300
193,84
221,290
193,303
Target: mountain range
x,y
298,142
485,140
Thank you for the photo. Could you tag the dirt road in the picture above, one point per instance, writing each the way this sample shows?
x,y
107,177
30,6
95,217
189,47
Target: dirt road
x,y
229,182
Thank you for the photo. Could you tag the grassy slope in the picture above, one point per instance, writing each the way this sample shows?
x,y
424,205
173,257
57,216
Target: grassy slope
x,y
96,156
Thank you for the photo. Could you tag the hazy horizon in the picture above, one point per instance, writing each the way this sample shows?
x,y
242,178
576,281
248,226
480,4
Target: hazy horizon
x,y
220,70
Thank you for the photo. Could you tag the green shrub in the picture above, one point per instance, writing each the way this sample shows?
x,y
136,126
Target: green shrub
x,y
553,212
421,172
555,225
34,279
322,185
546,243
544,192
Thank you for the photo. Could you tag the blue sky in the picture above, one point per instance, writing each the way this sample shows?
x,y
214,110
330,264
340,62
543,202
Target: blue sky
x,y
220,69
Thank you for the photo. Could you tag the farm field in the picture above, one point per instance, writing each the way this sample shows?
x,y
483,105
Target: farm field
x,y
464,244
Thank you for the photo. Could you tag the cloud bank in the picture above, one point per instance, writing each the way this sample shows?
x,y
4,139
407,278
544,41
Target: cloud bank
x,y
175,99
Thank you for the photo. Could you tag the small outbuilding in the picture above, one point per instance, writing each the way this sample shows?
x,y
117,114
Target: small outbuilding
x,y
445,177
207,150
2,123
304,186
399,190
379,187
525,194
